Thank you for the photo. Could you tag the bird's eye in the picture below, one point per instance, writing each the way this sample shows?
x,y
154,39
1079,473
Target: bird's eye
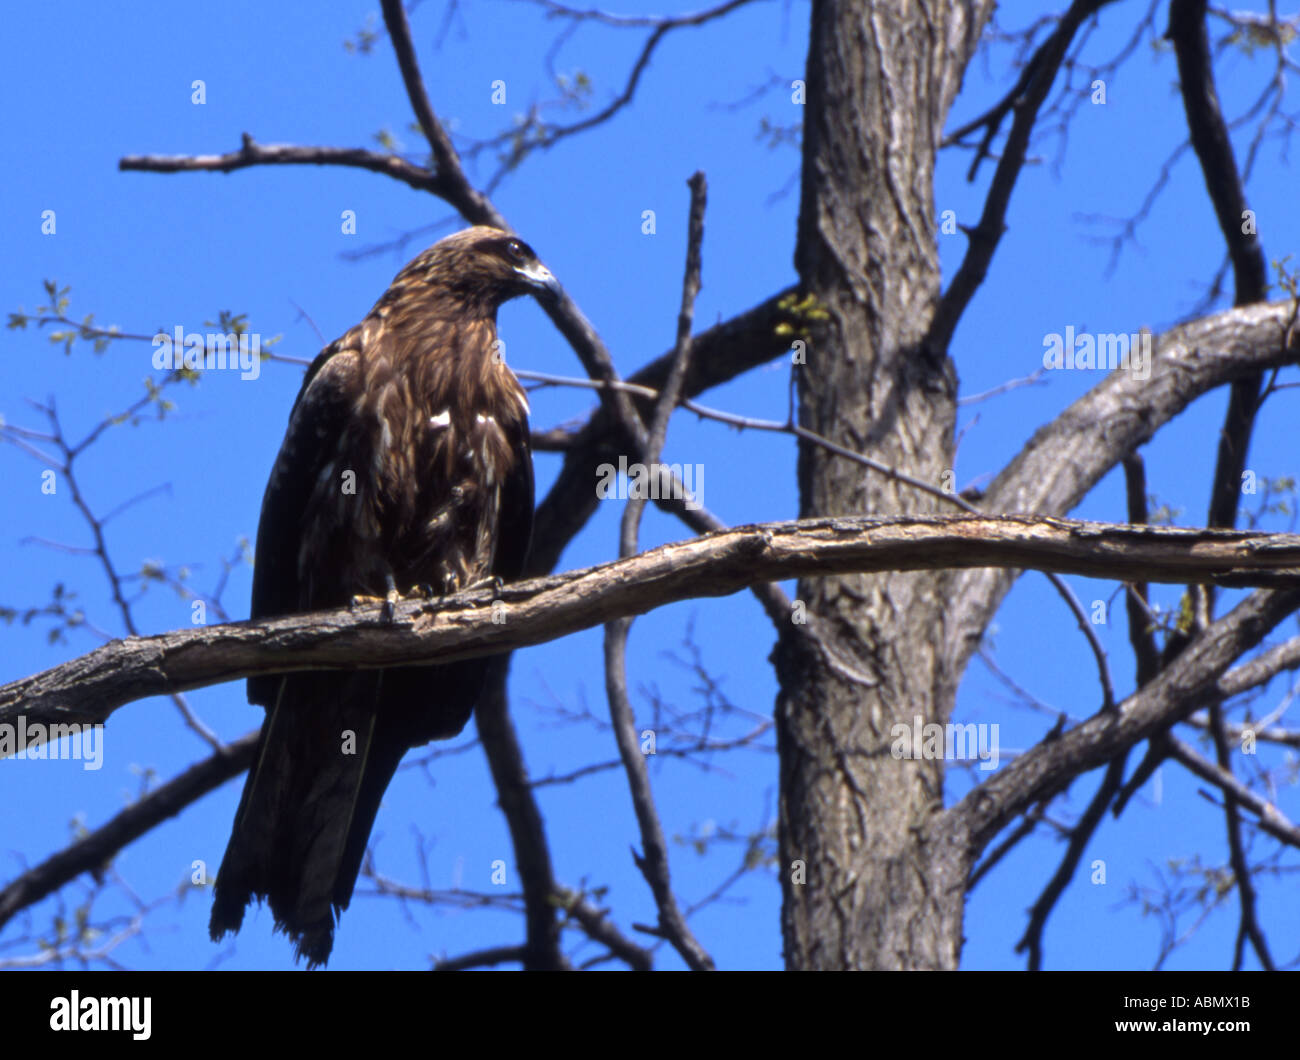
x,y
515,250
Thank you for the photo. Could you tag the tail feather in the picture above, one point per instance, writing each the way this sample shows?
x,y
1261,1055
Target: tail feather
x,y
324,760
328,750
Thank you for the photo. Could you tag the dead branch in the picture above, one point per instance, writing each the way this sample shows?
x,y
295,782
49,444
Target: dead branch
x,y
88,689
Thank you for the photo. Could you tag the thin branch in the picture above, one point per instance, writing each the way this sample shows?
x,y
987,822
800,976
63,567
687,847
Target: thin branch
x,y
661,27
1034,378
524,819
1085,627
1250,928
1270,818
1024,102
450,181
252,153
1213,146
700,746
64,466
1026,826
595,923
487,958
744,423
653,862
1080,836
1140,634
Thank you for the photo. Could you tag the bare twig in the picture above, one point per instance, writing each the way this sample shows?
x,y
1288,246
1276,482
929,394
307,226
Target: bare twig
x,y
1249,921
64,464
1024,101
653,861
1080,836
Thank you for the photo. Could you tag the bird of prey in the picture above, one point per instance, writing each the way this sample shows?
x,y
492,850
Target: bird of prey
x,y
405,468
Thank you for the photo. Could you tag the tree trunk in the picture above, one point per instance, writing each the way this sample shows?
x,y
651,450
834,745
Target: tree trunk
x,y
867,881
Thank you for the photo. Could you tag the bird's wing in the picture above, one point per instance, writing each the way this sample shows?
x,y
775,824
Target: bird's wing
x,y
319,418
515,529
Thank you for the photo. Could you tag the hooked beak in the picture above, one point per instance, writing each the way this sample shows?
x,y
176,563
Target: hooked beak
x,y
540,279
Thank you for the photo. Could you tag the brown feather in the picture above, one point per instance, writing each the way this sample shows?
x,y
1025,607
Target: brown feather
x,y
406,462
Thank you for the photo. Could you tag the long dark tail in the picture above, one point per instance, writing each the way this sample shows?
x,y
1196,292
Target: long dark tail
x,y
326,755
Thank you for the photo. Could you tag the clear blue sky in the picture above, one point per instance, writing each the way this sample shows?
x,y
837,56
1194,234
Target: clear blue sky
x,y
86,85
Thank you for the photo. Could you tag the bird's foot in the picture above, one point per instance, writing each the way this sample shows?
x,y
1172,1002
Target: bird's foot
x,y
493,582
388,601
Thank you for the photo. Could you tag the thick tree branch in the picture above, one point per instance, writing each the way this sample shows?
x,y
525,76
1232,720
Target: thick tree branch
x,y
1067,457
90,688
1262,668
1187,683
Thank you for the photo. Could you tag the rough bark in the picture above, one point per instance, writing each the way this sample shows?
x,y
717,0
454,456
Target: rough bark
x,y
89,688
867,881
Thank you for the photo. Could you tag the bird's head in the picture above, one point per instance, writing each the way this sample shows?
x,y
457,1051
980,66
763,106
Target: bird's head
x,y
477,270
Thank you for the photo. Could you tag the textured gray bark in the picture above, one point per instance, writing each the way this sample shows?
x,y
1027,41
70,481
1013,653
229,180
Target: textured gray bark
x,y
874,867
866,883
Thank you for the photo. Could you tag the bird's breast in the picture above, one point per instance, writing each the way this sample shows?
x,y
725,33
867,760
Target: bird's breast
x,y
436,481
